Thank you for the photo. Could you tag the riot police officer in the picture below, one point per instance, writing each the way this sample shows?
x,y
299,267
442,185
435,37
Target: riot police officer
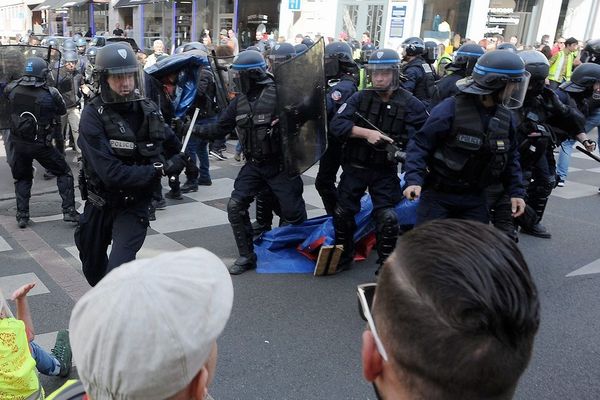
x,y
591,52
122,137
70,81
374,124
431,55
468,143
341,74
420,79
461,66
253,114
33,105
542,120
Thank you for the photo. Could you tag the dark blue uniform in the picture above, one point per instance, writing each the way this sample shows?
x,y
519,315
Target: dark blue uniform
x,y
125,187
439,199
378,175
331,160
446,87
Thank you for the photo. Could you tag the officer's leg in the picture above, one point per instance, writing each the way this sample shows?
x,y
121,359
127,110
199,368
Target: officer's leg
x,y
22,172
265,200
191,183
351,188
475,207
246,186
499,209
92,237
288,195
175,192
384,188
50,159
538,193
327,175
128,234
74,117
432,205
204,163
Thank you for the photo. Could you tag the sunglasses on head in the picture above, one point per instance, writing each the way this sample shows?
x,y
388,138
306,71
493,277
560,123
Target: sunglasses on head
x,y
366,294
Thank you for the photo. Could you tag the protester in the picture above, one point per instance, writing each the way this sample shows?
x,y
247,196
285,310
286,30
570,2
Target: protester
x,y
561,63
233,42
149,329
454,315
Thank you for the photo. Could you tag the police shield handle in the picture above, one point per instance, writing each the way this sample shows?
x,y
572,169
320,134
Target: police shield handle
x,y
517,206
412,192
189,131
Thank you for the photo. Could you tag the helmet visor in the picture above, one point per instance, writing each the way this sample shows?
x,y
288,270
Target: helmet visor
x,y
596,93
514,92
122,85
381,77
237,81
332,67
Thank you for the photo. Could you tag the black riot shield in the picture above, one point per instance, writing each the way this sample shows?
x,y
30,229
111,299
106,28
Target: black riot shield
x,y
301,109
12,66
220,66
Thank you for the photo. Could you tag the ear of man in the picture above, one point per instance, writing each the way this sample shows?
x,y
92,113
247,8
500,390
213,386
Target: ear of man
x,y
371,359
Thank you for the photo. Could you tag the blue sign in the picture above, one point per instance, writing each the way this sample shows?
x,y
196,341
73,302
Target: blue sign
x,y
294,5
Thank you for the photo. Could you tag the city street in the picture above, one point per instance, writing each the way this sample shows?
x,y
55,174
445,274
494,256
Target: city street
x,y
299,336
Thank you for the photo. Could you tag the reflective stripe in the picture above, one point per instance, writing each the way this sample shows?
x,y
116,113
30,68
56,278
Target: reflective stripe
x,y
468,53
248,66
393,61
484,70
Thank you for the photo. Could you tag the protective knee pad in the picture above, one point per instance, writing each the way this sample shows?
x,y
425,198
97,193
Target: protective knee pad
x,y
237,211
387,232
344,225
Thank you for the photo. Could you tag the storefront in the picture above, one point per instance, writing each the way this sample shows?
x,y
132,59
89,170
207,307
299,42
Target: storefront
x,y
67,17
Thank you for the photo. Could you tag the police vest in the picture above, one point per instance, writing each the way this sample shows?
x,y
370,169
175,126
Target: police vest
x,y
253,121
27,121
67,88
139,147
472,157
424,88
72,390
389,118
534,135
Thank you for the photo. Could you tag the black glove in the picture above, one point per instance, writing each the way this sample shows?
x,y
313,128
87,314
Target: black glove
x,y
553,103
176,164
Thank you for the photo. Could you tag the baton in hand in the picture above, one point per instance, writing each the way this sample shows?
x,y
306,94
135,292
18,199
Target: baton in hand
x,y
588,153
189,131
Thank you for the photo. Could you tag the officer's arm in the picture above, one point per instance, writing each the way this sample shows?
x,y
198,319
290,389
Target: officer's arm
x,y
206,78
172,145
413,75
224,125
415,117
61,108
512,174
342,123
96,151
424,142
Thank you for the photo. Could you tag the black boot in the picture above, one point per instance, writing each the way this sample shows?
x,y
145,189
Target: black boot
x,y
344,226
70,215
190,186
23,193
537,230
387,234
242,232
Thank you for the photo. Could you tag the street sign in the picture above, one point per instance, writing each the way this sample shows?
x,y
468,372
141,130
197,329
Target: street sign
x,y
294,5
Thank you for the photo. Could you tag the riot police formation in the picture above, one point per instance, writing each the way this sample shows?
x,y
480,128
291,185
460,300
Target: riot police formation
x,y
69,83
341,73
33,107
122,139
419,77
374,124
461,66
469,142
542,122
253,114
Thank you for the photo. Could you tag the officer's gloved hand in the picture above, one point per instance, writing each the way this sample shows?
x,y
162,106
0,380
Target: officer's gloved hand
x,y
55,94
553,103
176,164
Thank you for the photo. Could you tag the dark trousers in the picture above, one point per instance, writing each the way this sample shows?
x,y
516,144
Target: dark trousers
x,y
434,204
328,167
21,164
125,226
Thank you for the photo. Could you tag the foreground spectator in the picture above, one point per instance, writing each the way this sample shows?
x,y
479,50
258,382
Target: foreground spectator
x,y
148,330
455,314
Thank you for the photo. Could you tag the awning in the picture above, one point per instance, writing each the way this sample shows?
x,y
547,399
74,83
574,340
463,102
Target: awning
x,y
71,3
133,3
48,5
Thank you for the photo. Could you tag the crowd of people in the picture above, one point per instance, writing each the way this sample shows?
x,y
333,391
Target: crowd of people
x,y
472,129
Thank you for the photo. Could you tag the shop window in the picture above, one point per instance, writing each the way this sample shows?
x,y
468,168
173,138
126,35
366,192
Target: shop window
x,y
349,19
375,21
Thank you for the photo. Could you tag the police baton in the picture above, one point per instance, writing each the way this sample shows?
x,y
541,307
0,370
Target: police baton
x,y
189,131
588,153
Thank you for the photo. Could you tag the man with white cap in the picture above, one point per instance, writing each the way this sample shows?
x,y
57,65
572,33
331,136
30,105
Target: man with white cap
x,y
148,330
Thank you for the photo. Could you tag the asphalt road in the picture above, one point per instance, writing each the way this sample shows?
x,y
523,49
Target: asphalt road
x,y
297,336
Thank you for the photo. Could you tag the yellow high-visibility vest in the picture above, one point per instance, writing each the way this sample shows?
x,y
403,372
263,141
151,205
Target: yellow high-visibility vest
x,y
554,73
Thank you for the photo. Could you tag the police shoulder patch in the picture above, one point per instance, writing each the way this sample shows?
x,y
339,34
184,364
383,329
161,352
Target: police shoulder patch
x,y
336,95
342,108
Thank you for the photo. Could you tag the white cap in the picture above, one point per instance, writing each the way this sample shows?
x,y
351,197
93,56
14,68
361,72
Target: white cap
x,y
147,328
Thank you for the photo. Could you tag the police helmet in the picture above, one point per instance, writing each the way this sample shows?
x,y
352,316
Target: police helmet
x,y
593,46
248,70
307,41
497,71
585,77
413,46
431,52
465,58
51,42
70,56
338,60
91,54
507,46
76,37
81,42
536,64
365,52
69,45
382,72
280,53
36,68
254,48
118,73
300,48
194,46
